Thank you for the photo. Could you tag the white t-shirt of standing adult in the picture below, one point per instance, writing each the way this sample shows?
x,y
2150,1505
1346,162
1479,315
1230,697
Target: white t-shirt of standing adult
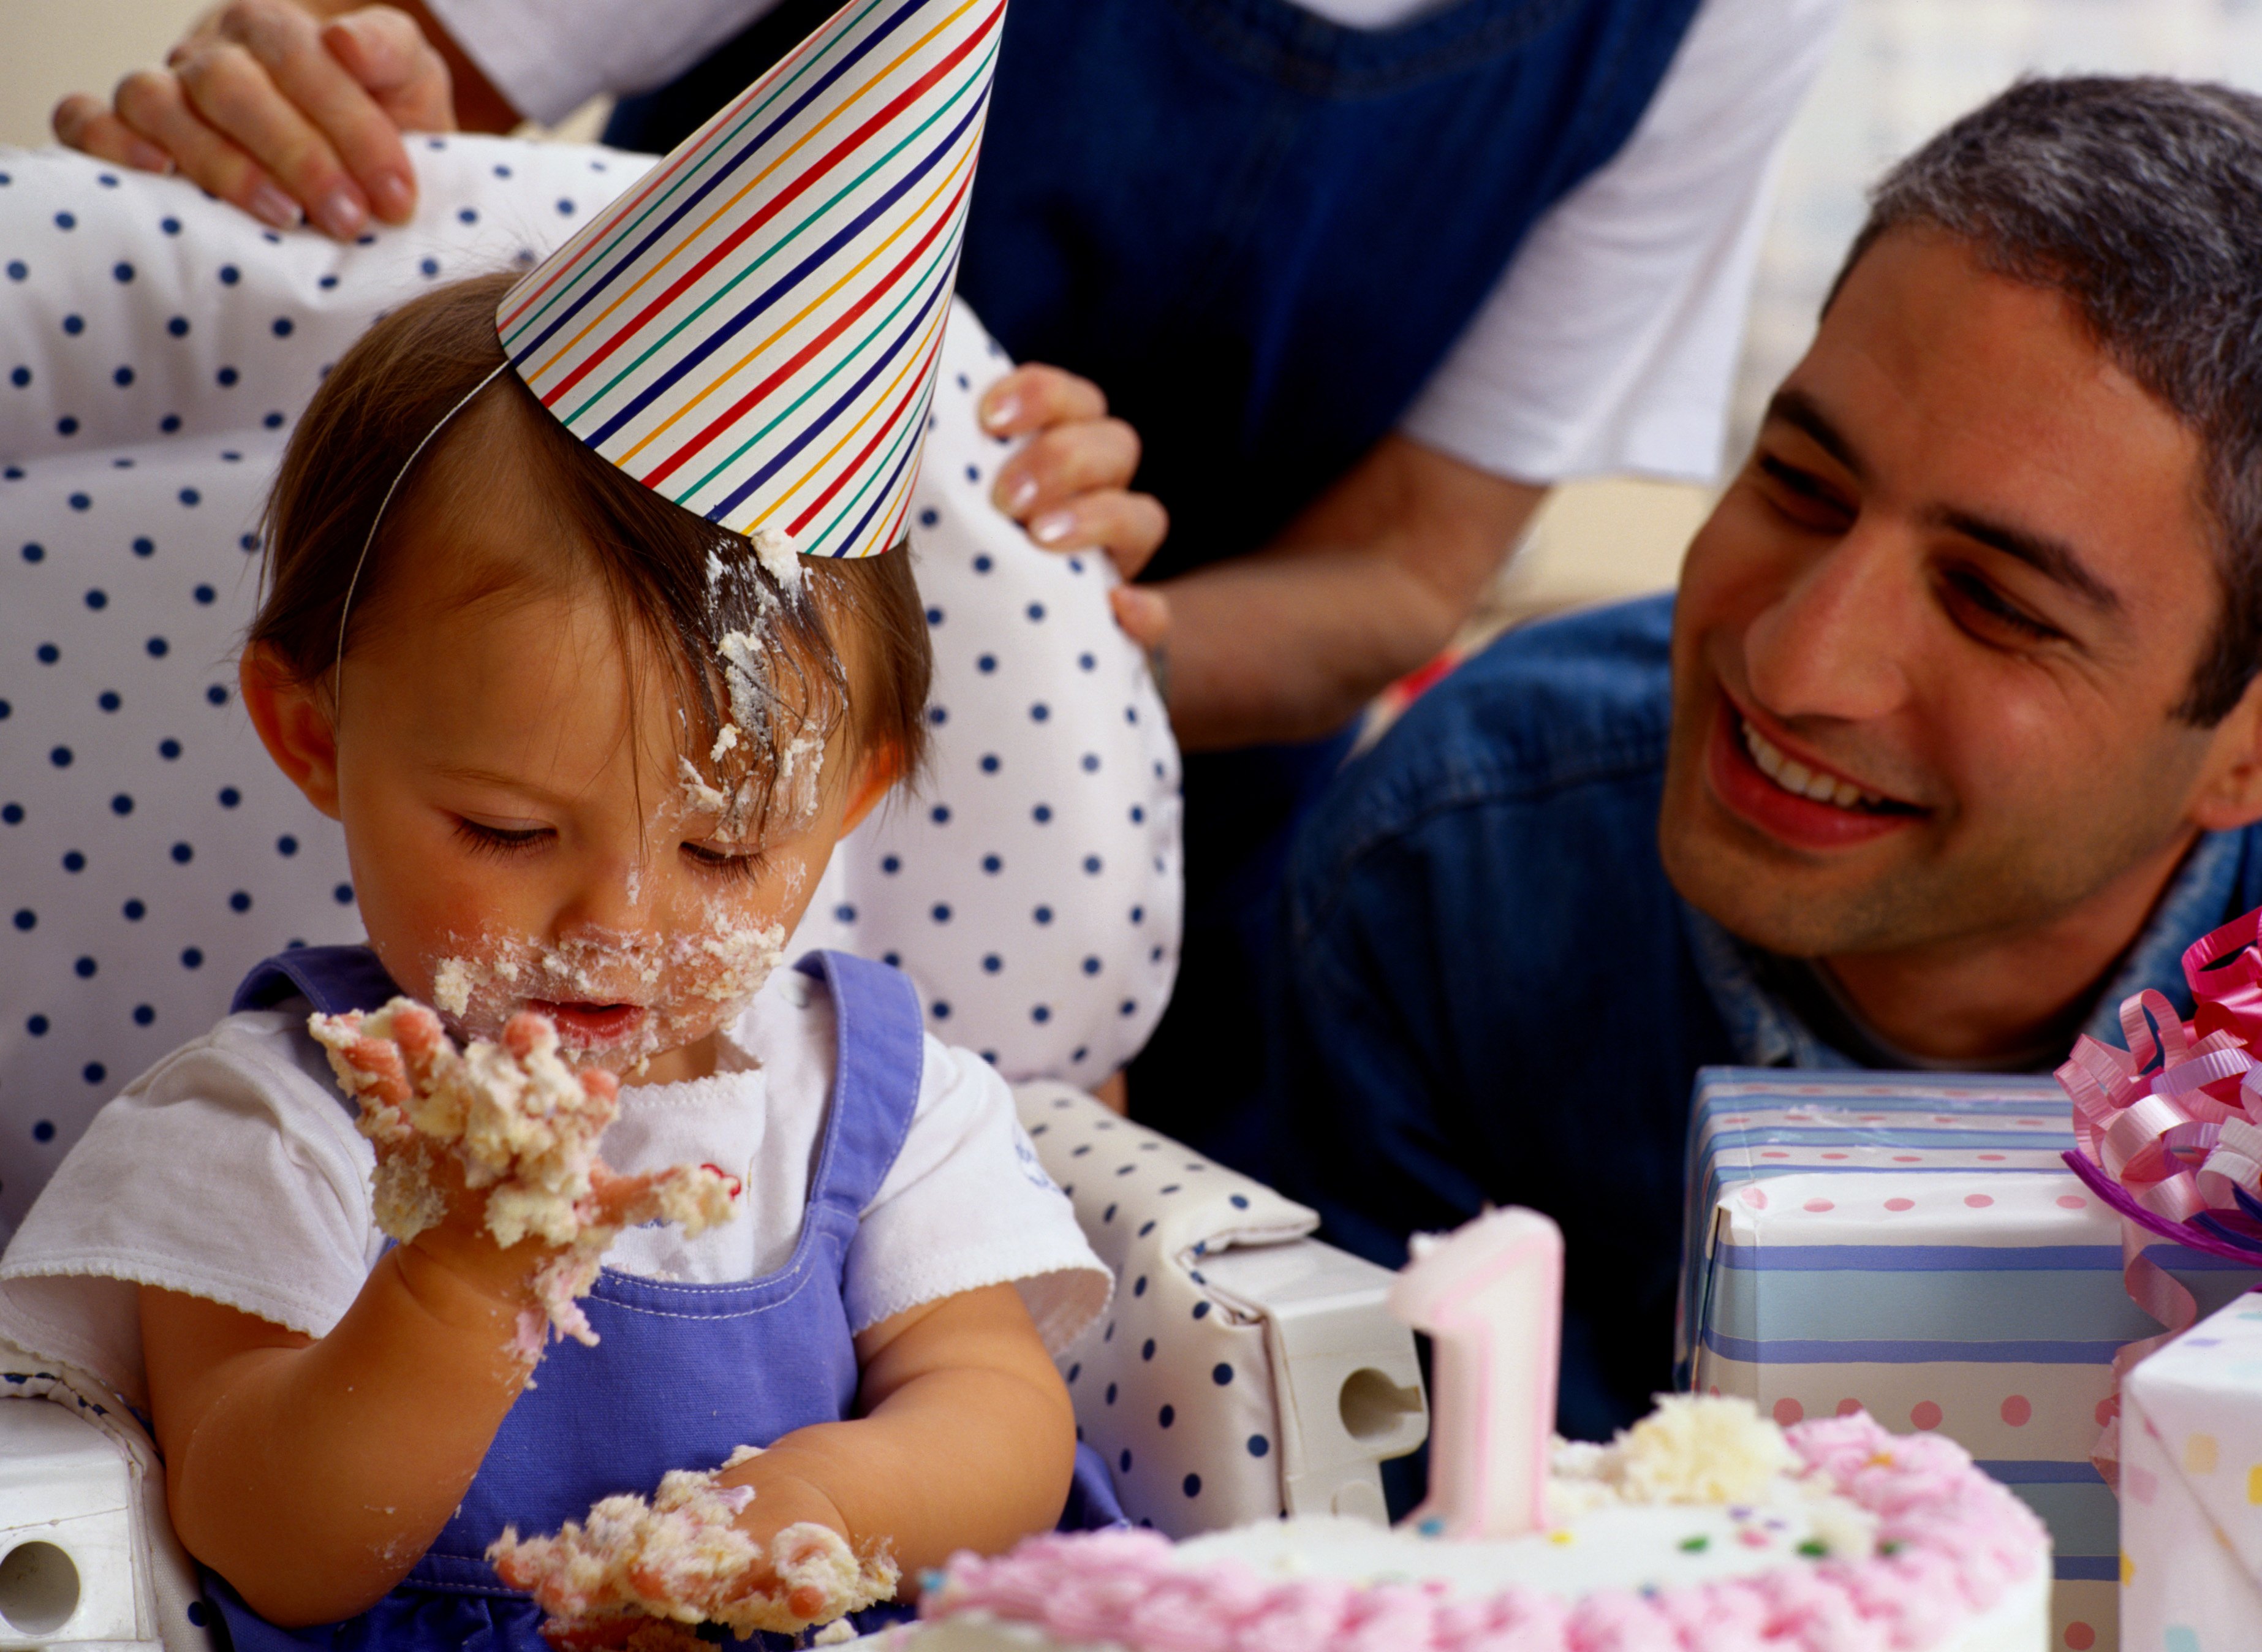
x,y
1610,343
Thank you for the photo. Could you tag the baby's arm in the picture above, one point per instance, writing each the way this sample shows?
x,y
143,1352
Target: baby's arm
x,y
312,1475
966,1439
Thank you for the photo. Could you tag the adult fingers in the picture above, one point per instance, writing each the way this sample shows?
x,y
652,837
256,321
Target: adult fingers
x,y
1036,396
1064,461
1144,614
263,78
384,50
153,103
85,122
1127,526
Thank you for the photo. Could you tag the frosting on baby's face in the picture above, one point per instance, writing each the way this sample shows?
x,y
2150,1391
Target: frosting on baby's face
x,y
531,826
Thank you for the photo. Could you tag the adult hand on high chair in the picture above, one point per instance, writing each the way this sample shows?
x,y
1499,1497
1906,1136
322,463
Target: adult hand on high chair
x,y
291,109
1070,486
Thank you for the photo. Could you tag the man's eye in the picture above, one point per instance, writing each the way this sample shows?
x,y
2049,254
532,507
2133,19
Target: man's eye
x,y
1983,610
1802,495
726,863
491,839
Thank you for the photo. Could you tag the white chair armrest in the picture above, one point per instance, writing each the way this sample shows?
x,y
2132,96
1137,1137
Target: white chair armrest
x,y
1345,1376
87,1552
1244,1369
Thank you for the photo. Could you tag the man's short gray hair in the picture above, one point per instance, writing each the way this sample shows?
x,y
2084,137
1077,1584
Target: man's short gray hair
x,y
2139,199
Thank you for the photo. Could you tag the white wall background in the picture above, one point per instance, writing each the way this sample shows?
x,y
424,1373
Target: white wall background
x,y
48,47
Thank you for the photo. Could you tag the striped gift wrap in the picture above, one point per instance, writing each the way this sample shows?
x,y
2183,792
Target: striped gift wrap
x,y
1912,1244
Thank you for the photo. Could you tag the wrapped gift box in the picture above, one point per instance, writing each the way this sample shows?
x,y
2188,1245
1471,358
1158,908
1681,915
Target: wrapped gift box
x,y
1913,1245
2191,1479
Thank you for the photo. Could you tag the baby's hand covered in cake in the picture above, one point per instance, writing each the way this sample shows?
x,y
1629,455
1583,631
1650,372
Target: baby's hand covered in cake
x,y
701,1551
482,1149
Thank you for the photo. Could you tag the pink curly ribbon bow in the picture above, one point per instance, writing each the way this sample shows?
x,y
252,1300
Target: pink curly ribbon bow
x,y
2170,1133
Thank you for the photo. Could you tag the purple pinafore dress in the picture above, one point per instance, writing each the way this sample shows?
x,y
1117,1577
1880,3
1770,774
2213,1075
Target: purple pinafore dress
x,y
682,1375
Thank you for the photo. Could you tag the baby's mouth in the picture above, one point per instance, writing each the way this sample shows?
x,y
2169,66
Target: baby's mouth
x,y
585,1023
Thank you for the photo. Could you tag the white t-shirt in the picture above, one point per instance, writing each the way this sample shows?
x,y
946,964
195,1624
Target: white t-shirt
x,y
1608,345
231,1171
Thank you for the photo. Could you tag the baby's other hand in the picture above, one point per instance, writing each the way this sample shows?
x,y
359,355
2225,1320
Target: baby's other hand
x,y
1069,485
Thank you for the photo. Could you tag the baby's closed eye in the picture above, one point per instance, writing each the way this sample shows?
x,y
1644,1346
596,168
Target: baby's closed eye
x,y
726,860
488,839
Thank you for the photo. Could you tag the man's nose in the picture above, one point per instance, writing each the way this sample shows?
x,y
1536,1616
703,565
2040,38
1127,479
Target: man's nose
x,y
1836,643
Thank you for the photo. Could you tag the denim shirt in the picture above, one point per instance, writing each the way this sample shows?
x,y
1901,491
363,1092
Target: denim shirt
x,y
1491,993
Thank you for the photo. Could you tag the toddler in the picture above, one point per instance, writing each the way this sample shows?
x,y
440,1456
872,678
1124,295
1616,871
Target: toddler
x,y
590,752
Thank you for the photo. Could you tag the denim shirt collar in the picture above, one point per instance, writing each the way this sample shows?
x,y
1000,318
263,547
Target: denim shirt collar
x,y
1766,1032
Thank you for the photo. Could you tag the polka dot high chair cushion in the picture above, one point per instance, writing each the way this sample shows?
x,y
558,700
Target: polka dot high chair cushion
x,y
1174,1386
154,346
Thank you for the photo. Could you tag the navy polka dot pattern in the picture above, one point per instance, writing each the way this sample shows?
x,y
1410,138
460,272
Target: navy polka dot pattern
x,y
1185,1389
1054,783
151,851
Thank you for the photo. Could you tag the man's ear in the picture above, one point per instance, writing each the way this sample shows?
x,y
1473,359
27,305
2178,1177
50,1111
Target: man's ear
x,y
293,721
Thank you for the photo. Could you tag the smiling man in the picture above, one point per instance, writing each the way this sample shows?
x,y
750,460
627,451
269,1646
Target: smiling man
x,y
1949,740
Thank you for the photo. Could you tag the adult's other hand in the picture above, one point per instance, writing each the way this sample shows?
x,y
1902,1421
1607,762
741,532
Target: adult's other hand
x,y
1070,486
290,111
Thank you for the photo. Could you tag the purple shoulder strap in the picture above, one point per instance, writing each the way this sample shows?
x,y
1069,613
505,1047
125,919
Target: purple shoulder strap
x,y
333,980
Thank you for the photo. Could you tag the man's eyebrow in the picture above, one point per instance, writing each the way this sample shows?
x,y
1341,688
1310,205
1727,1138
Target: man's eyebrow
x,y
1799,410
2053,558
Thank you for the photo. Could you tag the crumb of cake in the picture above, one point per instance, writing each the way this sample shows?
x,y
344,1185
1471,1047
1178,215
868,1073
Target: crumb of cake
x,y
521,1125
451,986
698,796
1692,1449
682,1559
801,769
774,550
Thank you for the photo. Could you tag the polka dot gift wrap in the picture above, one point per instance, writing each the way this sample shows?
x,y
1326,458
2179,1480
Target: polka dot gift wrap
x,y
1913,1245
2191,1489
154,346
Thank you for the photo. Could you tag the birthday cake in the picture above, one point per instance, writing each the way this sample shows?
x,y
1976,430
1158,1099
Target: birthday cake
x,y
1705,1527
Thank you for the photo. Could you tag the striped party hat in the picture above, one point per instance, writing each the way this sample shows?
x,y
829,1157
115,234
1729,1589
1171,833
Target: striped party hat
x,y
753,331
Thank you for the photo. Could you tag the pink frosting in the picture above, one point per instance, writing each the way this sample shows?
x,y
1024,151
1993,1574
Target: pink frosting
x,y
1951,1544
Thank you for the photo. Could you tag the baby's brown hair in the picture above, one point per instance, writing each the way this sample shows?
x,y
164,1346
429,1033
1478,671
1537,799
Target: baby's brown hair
x,y
685,582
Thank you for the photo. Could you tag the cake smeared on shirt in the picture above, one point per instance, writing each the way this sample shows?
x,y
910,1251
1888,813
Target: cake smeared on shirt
x,y
682,1558
521,1126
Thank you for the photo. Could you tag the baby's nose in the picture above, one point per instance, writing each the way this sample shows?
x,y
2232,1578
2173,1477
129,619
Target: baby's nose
x,y
612,902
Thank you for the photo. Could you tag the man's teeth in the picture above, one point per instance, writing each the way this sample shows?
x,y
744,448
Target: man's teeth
x,y
1795,778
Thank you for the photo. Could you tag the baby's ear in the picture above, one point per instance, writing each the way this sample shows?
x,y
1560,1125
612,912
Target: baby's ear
x,y
877,770
293,721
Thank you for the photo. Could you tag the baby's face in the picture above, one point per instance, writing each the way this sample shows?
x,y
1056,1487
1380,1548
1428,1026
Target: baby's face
x,y
521,835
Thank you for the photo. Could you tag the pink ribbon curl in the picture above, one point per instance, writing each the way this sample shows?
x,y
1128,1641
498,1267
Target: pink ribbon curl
x,y
2169,1133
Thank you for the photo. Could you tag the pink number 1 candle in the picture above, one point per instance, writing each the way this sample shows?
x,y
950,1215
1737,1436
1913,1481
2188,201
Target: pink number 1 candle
x,y
1490,1297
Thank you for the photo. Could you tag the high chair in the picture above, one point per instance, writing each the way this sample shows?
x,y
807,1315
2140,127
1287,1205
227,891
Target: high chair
x,y
155,347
